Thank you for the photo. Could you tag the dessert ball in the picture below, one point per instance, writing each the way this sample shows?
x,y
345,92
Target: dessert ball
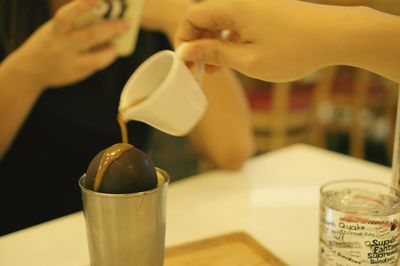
x,y
121,168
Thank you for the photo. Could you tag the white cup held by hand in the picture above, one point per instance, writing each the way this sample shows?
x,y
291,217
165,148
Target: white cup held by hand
x,y
163,93
129,10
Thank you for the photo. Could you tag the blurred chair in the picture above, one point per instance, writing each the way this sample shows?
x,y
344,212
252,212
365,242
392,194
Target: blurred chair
x,y
282,113
335,100
360,104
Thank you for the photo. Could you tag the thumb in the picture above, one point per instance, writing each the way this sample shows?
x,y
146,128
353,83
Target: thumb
x,y
212,52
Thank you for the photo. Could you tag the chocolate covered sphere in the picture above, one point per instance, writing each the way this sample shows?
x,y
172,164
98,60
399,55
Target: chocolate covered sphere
x,y
121,168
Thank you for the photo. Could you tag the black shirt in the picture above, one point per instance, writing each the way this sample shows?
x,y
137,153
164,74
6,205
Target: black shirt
x,y
66,128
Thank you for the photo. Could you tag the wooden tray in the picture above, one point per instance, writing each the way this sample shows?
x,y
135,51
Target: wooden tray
x,y
234,249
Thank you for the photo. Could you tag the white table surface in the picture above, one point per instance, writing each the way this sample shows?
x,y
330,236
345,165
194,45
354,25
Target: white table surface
x,y
274,198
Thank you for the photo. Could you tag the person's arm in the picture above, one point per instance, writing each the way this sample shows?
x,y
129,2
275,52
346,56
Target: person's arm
x,y
370,41
287,39
56,54
17,96
224,135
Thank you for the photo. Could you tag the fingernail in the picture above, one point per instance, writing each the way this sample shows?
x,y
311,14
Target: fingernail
x,y
180,50
189,52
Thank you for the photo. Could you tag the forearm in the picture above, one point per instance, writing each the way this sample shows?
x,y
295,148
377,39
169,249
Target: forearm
x,y
224,135
364,38
17,96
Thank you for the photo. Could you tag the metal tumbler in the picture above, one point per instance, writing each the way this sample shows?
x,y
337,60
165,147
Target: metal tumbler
x,y
126,229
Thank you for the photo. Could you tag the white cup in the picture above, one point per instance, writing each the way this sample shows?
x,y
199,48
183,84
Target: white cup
x,y
163,93
130,10
126,42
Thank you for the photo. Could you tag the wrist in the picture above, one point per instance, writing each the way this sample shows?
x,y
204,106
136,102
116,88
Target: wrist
x,y
329,34
372,42
347,35
352,35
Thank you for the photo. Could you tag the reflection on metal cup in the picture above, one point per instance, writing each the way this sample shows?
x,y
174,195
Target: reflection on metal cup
x,y
126,229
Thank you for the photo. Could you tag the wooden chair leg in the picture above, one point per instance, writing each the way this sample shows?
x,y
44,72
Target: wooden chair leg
x,y
281,94
390,112
321,98
357,132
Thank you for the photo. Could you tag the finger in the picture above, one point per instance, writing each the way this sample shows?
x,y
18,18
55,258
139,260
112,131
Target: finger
x,y
210,16
210,69
99,59
214,52
98,33
66,16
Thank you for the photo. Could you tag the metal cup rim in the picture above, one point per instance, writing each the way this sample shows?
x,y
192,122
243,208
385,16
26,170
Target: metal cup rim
x,y
126,195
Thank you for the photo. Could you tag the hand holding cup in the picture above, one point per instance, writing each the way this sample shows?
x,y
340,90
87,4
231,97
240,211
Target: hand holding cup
x,y
58,53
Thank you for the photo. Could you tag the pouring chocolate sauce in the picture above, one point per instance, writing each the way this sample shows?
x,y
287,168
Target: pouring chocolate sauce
x,y
121,168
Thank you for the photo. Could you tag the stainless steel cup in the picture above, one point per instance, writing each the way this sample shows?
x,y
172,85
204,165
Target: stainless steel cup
x,y
126,229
